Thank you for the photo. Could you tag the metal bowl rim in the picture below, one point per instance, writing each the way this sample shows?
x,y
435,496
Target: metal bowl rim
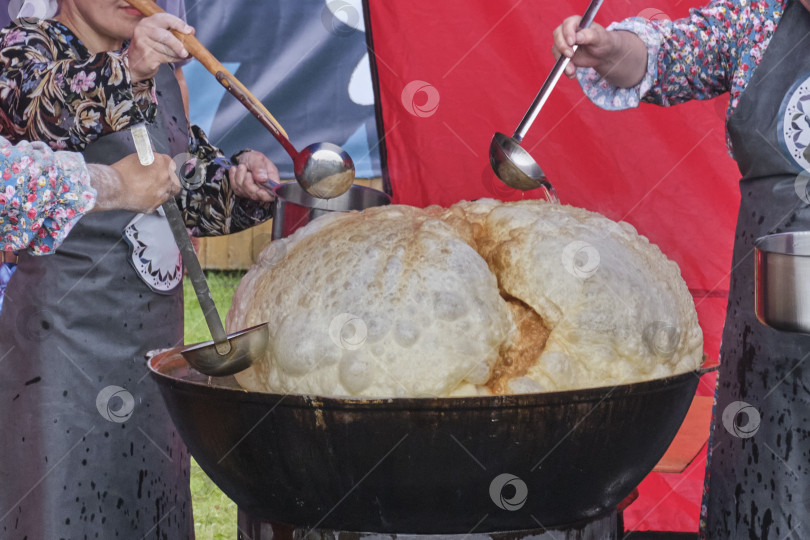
x,y
765,244
280,189
306,401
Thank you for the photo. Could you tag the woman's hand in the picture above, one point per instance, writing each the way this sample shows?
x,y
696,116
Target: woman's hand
x,y
154,44
594,44
619,56
128,185
253,171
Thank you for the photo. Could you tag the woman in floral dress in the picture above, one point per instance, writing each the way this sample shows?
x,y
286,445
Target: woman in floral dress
x,y
88,449
43,193
758,474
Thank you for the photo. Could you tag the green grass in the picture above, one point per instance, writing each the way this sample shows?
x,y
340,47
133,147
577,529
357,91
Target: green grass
x,y
214,512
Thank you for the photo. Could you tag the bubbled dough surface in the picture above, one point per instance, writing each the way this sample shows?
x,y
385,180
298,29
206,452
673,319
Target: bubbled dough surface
x,y
617,310
427,308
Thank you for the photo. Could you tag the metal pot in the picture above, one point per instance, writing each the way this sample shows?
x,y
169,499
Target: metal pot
x,y
421,465
294,207
782,276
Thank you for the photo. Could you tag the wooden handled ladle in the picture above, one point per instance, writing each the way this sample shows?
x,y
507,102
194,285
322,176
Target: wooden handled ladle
x,y
324,170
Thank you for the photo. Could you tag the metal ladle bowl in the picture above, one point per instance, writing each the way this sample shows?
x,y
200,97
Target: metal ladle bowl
x,y
511,163
324,170
245,347
514,165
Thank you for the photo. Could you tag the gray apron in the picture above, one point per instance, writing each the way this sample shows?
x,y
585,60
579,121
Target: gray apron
x,y
87,449
758,476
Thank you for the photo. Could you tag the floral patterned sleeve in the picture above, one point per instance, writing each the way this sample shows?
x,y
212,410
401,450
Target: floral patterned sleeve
x,y
43,194
212,208
711,51
50,88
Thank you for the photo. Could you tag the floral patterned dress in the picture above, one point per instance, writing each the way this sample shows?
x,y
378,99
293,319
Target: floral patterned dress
x,y
714,50
42,195
757,474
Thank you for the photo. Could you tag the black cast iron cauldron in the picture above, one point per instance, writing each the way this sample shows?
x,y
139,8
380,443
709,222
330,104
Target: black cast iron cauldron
x,y
421,465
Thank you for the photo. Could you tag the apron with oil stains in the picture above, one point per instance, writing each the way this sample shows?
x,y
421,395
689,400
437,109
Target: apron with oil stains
x,y
758,478
87,448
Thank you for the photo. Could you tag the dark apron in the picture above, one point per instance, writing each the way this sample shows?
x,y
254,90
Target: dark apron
x,y
758,477
87,449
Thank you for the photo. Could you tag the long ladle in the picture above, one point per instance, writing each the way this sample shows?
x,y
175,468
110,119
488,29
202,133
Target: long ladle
x,y
324,170
225,354
512,163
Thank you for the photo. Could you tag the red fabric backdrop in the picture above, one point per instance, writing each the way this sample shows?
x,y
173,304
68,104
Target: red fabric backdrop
x,y
451,73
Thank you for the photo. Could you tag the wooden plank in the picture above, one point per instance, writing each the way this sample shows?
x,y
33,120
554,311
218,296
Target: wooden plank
x,y
234,251
691,437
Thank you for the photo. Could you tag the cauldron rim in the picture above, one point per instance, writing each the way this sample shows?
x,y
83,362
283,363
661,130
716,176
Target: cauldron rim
x,y
166,365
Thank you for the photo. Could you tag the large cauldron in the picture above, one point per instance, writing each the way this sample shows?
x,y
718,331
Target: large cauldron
x,y
450,465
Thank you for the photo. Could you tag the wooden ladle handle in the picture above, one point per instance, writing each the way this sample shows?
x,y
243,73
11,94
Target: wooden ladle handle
x,y
215,67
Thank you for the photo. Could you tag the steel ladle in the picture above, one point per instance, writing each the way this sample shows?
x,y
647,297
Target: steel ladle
x,y
324,170
225,354
512,163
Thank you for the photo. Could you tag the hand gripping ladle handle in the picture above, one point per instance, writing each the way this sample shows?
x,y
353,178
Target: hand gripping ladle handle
x,y
215,67
553,77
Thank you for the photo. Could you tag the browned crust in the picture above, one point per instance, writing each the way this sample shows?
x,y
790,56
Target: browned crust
x,y
522,353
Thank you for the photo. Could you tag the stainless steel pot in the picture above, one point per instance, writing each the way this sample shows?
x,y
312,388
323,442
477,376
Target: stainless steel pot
x,y
782,277
294,207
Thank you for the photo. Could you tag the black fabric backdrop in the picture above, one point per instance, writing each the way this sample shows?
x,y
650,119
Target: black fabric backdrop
x,y
298,57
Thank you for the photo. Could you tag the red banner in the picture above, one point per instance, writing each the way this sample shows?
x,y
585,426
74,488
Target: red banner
x,y
451,73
